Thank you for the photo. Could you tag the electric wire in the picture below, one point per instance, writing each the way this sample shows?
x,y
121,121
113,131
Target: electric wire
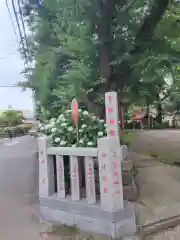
x,y
22,21
19,29
8,55
26,52
12,22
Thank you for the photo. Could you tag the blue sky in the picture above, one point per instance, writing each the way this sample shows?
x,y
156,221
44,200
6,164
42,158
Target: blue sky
x,y
10,65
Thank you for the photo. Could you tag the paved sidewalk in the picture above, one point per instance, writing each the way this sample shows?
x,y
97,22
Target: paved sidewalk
x,y
19,191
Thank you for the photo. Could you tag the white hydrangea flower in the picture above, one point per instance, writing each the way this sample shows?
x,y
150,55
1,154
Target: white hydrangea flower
x,y
63,124
100,134
42,128
84,126
62,143
57,140
52,120
53,130
74,145
68,111
81,141
89,143
81,130
70,129
94,118
101,120
79,110
61,118
85,113
58,120
48,126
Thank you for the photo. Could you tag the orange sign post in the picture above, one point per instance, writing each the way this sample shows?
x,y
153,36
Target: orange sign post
x,y
75,113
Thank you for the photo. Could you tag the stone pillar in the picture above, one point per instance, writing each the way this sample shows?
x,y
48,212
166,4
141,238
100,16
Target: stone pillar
x,y
111,189
74,172
46,169
90,181
110,157
60,176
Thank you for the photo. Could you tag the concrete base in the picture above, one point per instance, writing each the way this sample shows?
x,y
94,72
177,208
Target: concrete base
x,y
89,218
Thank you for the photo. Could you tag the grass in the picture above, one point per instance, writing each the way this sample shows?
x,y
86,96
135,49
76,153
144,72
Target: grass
x,y
171,157
127,137
57,230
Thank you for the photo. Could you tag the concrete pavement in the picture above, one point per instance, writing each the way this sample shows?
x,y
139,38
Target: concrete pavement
x,y
19,190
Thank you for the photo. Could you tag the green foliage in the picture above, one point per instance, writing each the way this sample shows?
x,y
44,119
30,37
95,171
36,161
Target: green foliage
x,y
25,127
84,48
11,118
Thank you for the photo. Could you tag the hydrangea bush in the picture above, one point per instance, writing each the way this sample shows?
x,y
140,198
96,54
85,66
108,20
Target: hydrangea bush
x,y
64,133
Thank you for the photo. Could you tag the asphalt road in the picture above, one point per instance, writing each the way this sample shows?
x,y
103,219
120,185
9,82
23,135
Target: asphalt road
x,y
19,189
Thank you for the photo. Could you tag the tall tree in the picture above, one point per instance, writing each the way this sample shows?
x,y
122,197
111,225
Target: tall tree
x,y
84,48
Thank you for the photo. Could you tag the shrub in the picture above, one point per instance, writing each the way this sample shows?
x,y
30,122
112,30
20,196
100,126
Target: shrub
x,y
63,131
25,127
11,118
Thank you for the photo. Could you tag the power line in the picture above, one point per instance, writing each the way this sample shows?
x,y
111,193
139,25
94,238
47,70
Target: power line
x,y
12,22
22,21
5,42
8,86
8,55
19,28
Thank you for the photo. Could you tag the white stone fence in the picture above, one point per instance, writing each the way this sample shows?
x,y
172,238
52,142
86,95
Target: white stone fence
x,y
76,155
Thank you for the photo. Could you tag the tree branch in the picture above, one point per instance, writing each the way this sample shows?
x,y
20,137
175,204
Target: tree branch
x,y
147,28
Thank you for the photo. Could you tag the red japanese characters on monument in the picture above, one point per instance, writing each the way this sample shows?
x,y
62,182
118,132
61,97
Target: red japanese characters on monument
x,y
60,174
116,179
111,114
103,168
90,174
43,167
75,175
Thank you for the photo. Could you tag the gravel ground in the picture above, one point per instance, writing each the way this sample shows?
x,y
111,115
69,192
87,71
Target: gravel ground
x,y
159,183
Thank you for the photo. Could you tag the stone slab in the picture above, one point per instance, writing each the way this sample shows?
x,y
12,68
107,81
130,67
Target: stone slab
x,y
56,216
88,224
94,211
126,227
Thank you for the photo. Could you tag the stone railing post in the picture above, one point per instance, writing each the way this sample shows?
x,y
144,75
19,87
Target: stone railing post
x,y
110,175
46,168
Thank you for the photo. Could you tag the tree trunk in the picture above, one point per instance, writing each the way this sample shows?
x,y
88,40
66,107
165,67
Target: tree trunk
x,y
159,113
105,36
